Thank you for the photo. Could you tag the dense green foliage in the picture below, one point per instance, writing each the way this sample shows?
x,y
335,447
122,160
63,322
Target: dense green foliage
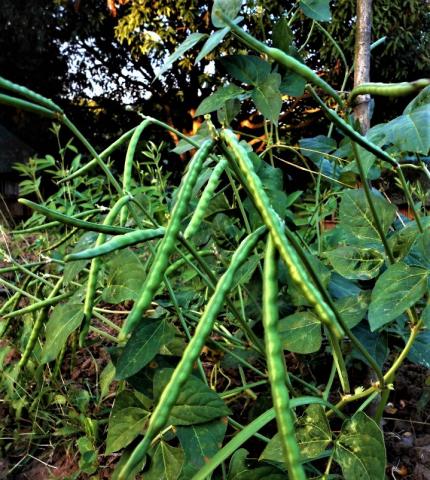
x,y
195,304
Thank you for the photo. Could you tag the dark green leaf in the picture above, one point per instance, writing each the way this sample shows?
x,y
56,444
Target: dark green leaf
x,y
196,403
126,275
423,98
64,320
301,332
282,35
124,426
247,69
146,341
316,9
267,97
218,99
353,308
292,84
374,342
230,8
356,263
212,42
411,132
397,289
356,217
360,450
200,443
166,463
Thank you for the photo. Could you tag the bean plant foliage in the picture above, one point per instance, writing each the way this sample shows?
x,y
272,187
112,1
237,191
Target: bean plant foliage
x,y
205,297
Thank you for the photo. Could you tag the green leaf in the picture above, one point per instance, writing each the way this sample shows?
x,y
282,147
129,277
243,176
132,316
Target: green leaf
x,y
356,217
375,343
267,97
426,316
355,262
196,403
166,463
88,463
230,8
146,341
63,321
410,132
423,98
313,432
292,84
228,112
247,69
212,42
200,443
360,449
353,308
126,422
218,99
313,147
282,35
126,275
316,9
397,289
237,464
301,332
245,272
106,378
420,352
419,254
186,45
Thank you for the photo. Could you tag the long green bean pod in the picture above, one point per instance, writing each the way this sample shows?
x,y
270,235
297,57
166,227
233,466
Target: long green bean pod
x,y
171,391
60,217
389,89
128,164
117,243
38,305
38,324
28,106
351,133
276,365
96,264
92,163
167,244
26,92
282,58
205,199
48,225
271,219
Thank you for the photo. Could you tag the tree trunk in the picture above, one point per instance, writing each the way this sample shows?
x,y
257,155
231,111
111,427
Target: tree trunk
x,y
362,61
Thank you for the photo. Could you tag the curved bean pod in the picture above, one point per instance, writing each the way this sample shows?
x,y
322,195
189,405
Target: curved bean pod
x,y
128,164
26,92
276,365
95,268
117,243
28,106
205,199
36,306
167,244
112,147
271,219
38,324
170,393
60,217
389,89
281,57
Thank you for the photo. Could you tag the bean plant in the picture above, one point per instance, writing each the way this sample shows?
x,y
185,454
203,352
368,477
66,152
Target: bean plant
x,y
228,264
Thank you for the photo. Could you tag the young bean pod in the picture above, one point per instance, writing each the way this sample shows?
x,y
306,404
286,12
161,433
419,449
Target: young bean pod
x,y
26,92
170,393
28,106
389,89
60,217
38,324
95,268
205,199
167,244
117,243
271,219
276,365
128,164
